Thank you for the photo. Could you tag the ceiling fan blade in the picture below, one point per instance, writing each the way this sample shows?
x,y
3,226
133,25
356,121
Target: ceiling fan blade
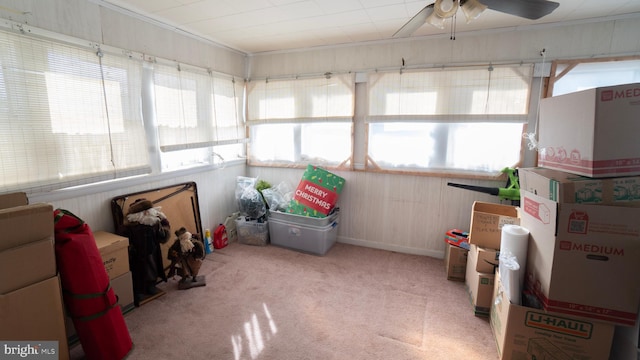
x,y
414,23
528,9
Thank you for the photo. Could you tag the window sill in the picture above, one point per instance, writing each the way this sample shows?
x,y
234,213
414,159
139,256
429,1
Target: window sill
x,y
105,186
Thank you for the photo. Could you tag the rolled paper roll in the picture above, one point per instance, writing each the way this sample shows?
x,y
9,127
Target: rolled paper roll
x,y
515,240
510,276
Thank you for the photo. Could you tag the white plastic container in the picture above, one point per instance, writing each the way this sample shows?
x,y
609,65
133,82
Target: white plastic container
x,y
298,235
304,220
252,232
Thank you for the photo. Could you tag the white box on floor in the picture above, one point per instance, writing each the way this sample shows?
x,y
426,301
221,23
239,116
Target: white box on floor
x,y
592,132
301,235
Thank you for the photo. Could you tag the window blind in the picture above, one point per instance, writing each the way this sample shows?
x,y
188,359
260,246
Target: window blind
x,y
196,108
68,115
473,94
325,98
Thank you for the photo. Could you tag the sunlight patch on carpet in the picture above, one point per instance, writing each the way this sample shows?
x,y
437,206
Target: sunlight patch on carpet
x,y
254,335
402,317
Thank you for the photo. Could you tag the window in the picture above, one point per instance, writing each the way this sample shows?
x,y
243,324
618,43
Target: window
x,y
74,114
448,120
196,110
593,73
301,121
68,115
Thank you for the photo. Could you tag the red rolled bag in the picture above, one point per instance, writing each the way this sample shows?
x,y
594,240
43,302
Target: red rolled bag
x,y
88,297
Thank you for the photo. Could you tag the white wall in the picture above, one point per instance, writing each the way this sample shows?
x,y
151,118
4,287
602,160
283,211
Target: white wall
x,y
396,212
582,40
402,213
92,204
85,19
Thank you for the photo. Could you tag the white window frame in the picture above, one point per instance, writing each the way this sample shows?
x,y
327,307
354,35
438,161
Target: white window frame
x,y
303,120
439,103
582,74
198,116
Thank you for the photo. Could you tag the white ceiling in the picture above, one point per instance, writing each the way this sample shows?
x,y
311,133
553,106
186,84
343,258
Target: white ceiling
x,y
253,26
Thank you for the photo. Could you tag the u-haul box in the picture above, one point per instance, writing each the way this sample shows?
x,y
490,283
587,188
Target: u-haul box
x,y
583,259
527,333
565,187
592,132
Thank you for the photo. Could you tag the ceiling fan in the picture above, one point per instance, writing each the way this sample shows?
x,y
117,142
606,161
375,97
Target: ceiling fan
x,y
436,13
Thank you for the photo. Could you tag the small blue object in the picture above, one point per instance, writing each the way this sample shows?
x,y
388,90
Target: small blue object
x,y
208,243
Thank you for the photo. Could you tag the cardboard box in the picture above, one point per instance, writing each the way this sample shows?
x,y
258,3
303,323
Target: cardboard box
x,y
582,260
527,333
486,259
18,268
565,187
25,224
35,313
317,193
123,287
487,220
114,250
455,262
592,132
479,285
27,234
13,199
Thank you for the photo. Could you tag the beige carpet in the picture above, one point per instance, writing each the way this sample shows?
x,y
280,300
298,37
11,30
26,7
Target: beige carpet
x,y
274,303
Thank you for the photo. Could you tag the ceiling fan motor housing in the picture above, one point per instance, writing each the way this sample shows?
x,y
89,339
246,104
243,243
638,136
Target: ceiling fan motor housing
x,y
446,8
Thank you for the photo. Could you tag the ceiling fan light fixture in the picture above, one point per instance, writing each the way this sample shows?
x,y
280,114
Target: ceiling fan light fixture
x,y
446,8
434,20
472,9
437,12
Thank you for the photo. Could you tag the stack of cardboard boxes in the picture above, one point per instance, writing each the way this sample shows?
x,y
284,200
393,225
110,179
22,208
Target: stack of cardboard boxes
x,y
582,208
487,220
31,306
31,302
582,211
